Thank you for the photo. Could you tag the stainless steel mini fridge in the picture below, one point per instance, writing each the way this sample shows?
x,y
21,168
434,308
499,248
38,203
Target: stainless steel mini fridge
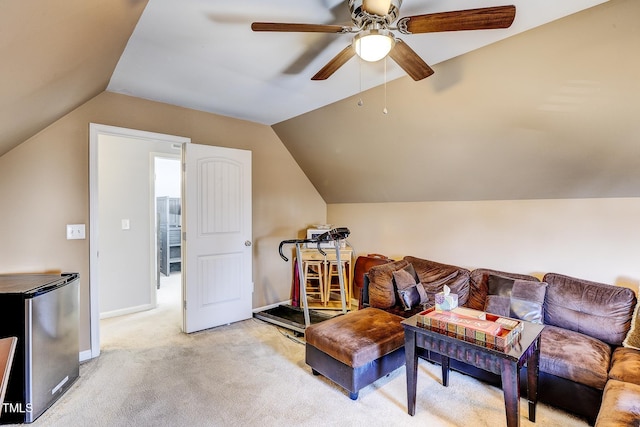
x,y
41,310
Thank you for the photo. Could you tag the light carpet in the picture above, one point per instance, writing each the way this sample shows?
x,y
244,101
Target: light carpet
x,y
251,373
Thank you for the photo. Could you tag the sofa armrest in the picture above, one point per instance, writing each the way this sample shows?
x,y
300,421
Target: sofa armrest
x,y
625,365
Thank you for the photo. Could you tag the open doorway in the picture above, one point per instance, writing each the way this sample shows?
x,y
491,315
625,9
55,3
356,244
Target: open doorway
x,y
168,225
122,221
217,273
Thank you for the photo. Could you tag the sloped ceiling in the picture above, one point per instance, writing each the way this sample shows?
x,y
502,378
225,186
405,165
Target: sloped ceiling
x,y
55,55
202,54
550,113
545,113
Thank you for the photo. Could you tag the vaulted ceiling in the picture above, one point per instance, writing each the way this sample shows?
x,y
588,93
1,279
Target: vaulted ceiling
x,y
202,54
541,111
547,114
55,55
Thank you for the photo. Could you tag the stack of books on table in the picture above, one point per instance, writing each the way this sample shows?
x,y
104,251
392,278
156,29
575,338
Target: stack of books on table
x,y
473,326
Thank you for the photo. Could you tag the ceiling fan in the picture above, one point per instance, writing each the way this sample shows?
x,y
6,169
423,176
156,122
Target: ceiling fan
x,y
374,40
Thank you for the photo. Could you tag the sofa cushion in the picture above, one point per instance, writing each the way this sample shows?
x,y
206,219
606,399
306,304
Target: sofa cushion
x,y
620,405
632,340
574,356
516,298
434,275
478,289
625,365
381,291
596,309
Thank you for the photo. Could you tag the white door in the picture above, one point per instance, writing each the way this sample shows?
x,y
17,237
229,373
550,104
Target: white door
x,y
217,252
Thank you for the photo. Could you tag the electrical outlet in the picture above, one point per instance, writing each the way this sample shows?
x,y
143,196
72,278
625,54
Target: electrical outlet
x,y
75,231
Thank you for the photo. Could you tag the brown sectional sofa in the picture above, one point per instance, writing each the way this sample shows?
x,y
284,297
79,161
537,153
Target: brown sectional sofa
x,y
581,357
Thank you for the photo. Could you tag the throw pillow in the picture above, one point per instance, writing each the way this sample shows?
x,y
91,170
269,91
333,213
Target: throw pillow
x,y
382,293
520,299
409,291
403,278
413,296
633,336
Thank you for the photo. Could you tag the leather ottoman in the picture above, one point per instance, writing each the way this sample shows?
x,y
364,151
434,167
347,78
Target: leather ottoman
x,y
355,349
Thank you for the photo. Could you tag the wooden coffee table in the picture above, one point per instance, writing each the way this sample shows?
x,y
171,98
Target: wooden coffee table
x,y
506,363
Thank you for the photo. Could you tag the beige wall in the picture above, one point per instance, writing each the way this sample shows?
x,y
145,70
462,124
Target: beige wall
x,y
594,239
126,275
44,185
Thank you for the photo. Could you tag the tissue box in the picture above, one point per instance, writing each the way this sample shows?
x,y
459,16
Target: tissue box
x,y
446,302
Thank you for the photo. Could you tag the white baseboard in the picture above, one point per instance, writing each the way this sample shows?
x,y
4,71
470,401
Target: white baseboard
x,y
85,355
127,310
267,307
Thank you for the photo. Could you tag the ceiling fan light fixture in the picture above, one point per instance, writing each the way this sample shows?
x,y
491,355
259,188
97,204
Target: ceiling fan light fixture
x,y
373,45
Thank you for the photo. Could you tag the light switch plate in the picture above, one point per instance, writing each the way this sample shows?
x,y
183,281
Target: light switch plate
x,y
126,225
75,231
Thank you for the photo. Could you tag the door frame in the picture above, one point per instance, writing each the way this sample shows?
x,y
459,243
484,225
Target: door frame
x,y
95,131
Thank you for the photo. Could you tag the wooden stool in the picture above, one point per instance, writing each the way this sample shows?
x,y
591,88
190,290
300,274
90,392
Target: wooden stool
x,y
313,281
331,285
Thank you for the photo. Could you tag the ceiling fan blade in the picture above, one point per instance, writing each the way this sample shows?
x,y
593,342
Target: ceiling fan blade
x,y
486,18
298,28
338,61
410,62
318,42
376,7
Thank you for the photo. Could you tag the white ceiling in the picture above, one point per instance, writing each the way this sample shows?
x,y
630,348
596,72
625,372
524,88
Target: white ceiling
x,y
202,54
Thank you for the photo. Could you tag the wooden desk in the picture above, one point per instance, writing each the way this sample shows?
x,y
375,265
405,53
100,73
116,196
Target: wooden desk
x,y
346,255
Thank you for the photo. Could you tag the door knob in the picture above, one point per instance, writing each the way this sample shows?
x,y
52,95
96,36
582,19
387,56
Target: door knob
x,y
247,243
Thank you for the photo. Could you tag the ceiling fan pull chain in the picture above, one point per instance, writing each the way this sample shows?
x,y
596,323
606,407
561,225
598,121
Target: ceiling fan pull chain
x,y
360,102
384,110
